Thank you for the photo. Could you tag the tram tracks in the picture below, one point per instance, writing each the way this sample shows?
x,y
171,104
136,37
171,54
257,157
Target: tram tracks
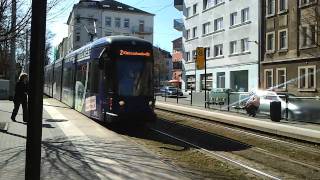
x,y
279,164
220,156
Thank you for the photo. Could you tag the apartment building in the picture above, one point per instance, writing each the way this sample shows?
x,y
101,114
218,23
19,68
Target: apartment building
x,y
291,51
229,31
94,19
177,59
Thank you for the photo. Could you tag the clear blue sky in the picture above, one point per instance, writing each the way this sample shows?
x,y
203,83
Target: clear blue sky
x,y
164,12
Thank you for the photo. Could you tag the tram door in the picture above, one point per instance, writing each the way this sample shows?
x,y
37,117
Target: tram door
x,y
107,91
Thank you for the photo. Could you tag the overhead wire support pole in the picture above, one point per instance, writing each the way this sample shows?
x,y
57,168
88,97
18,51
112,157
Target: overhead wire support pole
x,y
37,55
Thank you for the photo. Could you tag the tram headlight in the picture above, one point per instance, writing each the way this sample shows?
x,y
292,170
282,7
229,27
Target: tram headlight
x,y
122,103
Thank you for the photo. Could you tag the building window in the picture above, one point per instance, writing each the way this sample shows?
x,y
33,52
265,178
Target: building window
x,y
245,15
194,52
117,22
78,38
205,28
218,50
194,32
218,24
188,58
233,18
221,80
244,44
233,47
283,39
313,34
268,78
191,82
270,41
308,35
141,25
208,83
188,34
283,5
188,12
307,77
126,23
78,19
195,9
108,21
304,36
270,7
306,2
207,50
210,3
281,78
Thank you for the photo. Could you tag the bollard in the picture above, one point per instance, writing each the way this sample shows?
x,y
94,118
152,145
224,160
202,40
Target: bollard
x,y
165,95
287,101
228,100
191,96
177,96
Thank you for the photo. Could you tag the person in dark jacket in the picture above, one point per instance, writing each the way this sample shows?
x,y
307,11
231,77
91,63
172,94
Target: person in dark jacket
x,y
21,97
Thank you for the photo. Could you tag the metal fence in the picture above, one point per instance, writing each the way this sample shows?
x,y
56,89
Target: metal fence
x,y
293,108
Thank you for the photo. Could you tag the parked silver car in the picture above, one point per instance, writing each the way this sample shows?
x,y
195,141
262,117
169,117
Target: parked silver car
x,y
298,109
170,91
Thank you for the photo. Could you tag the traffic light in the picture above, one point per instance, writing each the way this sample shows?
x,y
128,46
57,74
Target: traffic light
x,y
200,58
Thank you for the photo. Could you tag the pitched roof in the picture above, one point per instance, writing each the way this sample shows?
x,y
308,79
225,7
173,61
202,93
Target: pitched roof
x,y
117,6
110,5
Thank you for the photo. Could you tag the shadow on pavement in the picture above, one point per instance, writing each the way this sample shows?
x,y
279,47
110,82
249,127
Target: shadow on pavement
x,y
81,158
56,120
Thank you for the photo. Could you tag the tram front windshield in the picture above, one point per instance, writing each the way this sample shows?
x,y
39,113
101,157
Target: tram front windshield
x,y
134,76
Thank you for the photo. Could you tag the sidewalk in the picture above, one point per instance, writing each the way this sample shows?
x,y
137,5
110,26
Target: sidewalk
x,y
75,147
298,130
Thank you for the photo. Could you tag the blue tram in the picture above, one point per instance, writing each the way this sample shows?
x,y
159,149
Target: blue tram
x,y
107,79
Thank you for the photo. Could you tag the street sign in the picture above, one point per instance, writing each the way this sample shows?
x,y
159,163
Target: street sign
x,y
200,60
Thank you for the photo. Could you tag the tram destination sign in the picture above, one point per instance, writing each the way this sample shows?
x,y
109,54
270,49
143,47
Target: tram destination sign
x,y
134,53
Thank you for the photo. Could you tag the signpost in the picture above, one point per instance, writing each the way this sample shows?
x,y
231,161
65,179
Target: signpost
x,y
201,62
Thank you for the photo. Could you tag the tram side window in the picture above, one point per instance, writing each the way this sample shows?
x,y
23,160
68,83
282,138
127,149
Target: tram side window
x,y
94,77
81,74
67,78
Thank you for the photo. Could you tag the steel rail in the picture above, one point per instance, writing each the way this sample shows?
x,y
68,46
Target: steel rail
x,y
213,123
255,171
257,149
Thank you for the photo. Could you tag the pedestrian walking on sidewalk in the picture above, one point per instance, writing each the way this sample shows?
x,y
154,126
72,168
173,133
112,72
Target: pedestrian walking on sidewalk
x,y
21,97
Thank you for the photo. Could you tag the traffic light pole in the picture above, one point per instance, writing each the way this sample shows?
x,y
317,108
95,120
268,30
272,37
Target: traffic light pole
x,y
34,127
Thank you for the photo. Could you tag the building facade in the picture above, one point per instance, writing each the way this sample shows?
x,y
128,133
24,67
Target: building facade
x,y
94,19
177,65
291,51
229,31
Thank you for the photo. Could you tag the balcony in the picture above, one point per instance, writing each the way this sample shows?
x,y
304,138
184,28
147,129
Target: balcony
x,y
142,30
178,24
178,4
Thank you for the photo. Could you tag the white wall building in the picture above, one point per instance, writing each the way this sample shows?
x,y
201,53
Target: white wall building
x,y
95,19
229,30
